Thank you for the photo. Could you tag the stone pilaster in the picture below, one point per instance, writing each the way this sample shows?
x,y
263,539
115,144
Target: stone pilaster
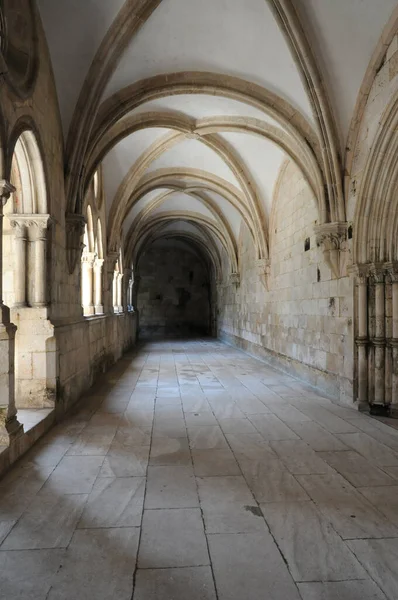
x,y
332,237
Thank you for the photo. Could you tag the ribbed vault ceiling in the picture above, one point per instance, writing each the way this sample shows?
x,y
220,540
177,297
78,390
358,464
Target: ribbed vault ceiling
x,y
192,107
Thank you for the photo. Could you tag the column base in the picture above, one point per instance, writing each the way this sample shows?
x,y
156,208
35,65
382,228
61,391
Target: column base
x,y
99,309
9,428
14,427
379,410
4,437
88,311
394,411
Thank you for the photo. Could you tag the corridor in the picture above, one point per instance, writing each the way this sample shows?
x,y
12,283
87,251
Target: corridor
x,y
194,472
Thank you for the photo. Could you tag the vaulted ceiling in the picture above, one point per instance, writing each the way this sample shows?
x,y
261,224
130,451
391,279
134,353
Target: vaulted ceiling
x,y
192,107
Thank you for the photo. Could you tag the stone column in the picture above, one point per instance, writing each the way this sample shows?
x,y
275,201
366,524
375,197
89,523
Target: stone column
x,y
393,272
126,299
20,273
110,262
38,239
98,302
9,424
130,295
362,337
88,283
134,291
379,340
119,289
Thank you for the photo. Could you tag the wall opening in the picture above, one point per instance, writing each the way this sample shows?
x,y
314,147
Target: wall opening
x,y
174,296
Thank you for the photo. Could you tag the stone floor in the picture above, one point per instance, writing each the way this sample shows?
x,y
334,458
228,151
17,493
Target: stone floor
x,y
194,472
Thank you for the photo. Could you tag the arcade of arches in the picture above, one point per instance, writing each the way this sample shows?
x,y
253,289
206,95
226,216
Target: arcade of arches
x,y
223,172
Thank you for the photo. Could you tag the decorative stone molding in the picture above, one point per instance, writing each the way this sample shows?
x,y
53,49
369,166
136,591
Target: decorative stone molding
x,y
74,239
111,261
333,239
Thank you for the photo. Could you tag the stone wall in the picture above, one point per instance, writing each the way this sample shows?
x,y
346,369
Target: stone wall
x,y
301,320
173,296
88,347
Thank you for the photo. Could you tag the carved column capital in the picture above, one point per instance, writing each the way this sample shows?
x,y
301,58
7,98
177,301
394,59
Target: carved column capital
x,y
392,271
98,262
111,259
89,258
74,224
35,224
332,237
377,272
18,225
361,272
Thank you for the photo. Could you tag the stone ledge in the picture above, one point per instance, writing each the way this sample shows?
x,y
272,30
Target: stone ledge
x,y
32,433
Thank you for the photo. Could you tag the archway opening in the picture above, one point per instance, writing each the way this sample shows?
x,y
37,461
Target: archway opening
x,y
176,290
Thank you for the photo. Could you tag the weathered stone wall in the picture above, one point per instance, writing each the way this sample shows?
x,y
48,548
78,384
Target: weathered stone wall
x,y
303,321
173,296
89,347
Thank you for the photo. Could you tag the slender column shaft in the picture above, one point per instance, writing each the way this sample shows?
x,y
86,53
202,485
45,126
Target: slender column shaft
x,y
88,283
40,245
119,292
379,341
98,265
20,248
394,344
114,292
362,340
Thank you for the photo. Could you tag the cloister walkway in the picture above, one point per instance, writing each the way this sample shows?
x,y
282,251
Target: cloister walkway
x,y
194,472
